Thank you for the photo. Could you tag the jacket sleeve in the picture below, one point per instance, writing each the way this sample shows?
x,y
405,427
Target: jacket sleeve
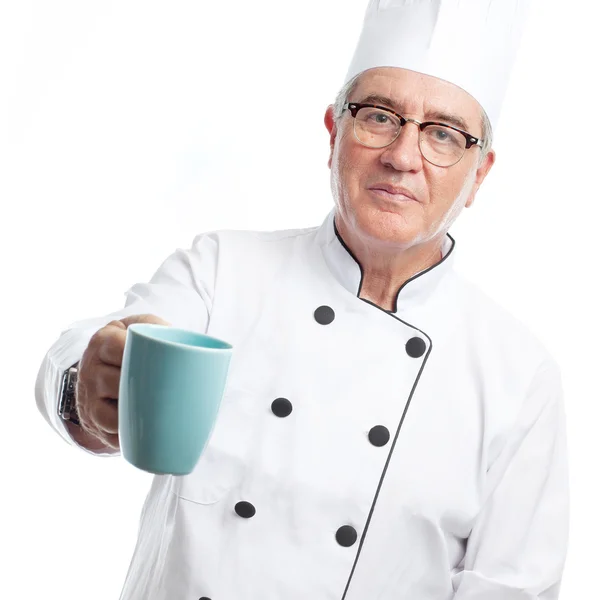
x,y
181,291
517,547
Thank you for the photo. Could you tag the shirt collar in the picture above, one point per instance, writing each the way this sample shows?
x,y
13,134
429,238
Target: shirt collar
x,y
348,272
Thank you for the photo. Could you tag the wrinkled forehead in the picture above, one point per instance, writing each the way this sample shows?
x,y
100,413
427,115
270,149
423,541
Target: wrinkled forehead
x,y
419,95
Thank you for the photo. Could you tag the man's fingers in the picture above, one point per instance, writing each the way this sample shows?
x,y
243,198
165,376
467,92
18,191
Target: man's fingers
x,y
112,346
153,319
105,415
112,441
99,378
107,379
110,340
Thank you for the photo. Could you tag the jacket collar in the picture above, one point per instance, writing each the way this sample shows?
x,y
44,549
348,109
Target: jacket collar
x,y
348,272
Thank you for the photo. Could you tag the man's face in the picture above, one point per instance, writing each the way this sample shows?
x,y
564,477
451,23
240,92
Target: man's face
x,y
440,192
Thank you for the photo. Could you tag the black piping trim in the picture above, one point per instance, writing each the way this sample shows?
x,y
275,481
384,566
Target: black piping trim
x,y
362,539
343,243
362,273
393,446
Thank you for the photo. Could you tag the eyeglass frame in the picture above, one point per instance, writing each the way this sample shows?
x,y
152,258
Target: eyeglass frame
x,y
354,107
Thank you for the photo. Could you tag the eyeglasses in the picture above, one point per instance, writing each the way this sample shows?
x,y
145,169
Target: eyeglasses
x,y
440,144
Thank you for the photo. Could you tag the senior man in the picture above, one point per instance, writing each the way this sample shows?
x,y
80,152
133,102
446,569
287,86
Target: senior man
x,y
387,430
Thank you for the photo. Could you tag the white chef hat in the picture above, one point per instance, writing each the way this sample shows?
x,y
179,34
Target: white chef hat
x,y
470,43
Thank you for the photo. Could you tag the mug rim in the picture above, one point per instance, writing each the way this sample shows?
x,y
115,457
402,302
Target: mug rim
x,y
140,328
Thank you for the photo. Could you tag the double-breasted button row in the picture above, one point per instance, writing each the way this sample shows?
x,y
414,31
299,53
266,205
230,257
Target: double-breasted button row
x,y
345,535
415,347
378,435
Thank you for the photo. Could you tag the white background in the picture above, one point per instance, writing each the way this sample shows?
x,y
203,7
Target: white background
x,y
128,127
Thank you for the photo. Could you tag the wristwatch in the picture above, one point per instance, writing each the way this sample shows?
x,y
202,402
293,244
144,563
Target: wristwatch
x,y
66,404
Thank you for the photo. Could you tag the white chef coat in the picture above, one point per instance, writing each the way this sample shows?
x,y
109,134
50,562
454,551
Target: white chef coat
x,y
416,454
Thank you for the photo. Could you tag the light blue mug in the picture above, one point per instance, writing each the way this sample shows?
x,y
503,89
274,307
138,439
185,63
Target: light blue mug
x,y
172,382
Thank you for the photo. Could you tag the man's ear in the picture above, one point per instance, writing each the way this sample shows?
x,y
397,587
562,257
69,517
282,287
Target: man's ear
x,y
482,171
332,129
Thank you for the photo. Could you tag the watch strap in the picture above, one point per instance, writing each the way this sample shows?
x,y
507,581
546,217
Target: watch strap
x,y
67,409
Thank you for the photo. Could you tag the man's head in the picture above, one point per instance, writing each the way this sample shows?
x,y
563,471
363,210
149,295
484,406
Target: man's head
x,y
440,192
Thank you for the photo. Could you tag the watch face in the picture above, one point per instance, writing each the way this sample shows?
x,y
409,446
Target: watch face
x,y
71,381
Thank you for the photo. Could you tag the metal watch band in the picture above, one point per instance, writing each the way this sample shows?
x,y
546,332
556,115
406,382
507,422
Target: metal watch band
x,y
66,405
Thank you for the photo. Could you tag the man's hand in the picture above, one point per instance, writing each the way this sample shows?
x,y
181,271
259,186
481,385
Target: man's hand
x,y
98,380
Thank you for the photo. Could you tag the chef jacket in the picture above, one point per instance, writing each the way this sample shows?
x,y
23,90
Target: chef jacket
x,y
359,453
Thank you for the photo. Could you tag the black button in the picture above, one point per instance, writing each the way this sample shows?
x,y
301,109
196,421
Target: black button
x,y
324,315
346,536
281,407
204,598
379,435
245,510
415,347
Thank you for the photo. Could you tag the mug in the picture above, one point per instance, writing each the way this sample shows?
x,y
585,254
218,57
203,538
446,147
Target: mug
x,y
171,386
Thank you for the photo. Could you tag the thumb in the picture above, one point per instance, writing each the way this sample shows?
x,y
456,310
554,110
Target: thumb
x,y
127,321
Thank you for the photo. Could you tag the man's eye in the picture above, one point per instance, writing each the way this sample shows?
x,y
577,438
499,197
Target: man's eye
x,y
442,135
378,118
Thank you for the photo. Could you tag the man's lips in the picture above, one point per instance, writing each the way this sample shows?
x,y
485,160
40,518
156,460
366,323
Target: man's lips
x,y
395,194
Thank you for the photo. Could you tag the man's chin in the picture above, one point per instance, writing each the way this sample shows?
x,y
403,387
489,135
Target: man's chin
x,y
387,226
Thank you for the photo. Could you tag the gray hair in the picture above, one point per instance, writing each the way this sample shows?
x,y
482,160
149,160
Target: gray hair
x,y
348,89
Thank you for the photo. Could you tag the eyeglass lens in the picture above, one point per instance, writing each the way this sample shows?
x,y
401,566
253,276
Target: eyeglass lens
x,y
439,145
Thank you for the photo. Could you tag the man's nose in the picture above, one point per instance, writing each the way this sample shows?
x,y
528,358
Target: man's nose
x,y
403,153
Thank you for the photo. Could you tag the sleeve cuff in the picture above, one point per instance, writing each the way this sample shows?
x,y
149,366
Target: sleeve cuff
x,y
67,350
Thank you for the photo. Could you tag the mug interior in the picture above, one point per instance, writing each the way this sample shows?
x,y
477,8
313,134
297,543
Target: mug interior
x,y
177,336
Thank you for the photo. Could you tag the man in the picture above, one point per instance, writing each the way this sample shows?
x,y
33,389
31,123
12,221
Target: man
x,y
387,430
